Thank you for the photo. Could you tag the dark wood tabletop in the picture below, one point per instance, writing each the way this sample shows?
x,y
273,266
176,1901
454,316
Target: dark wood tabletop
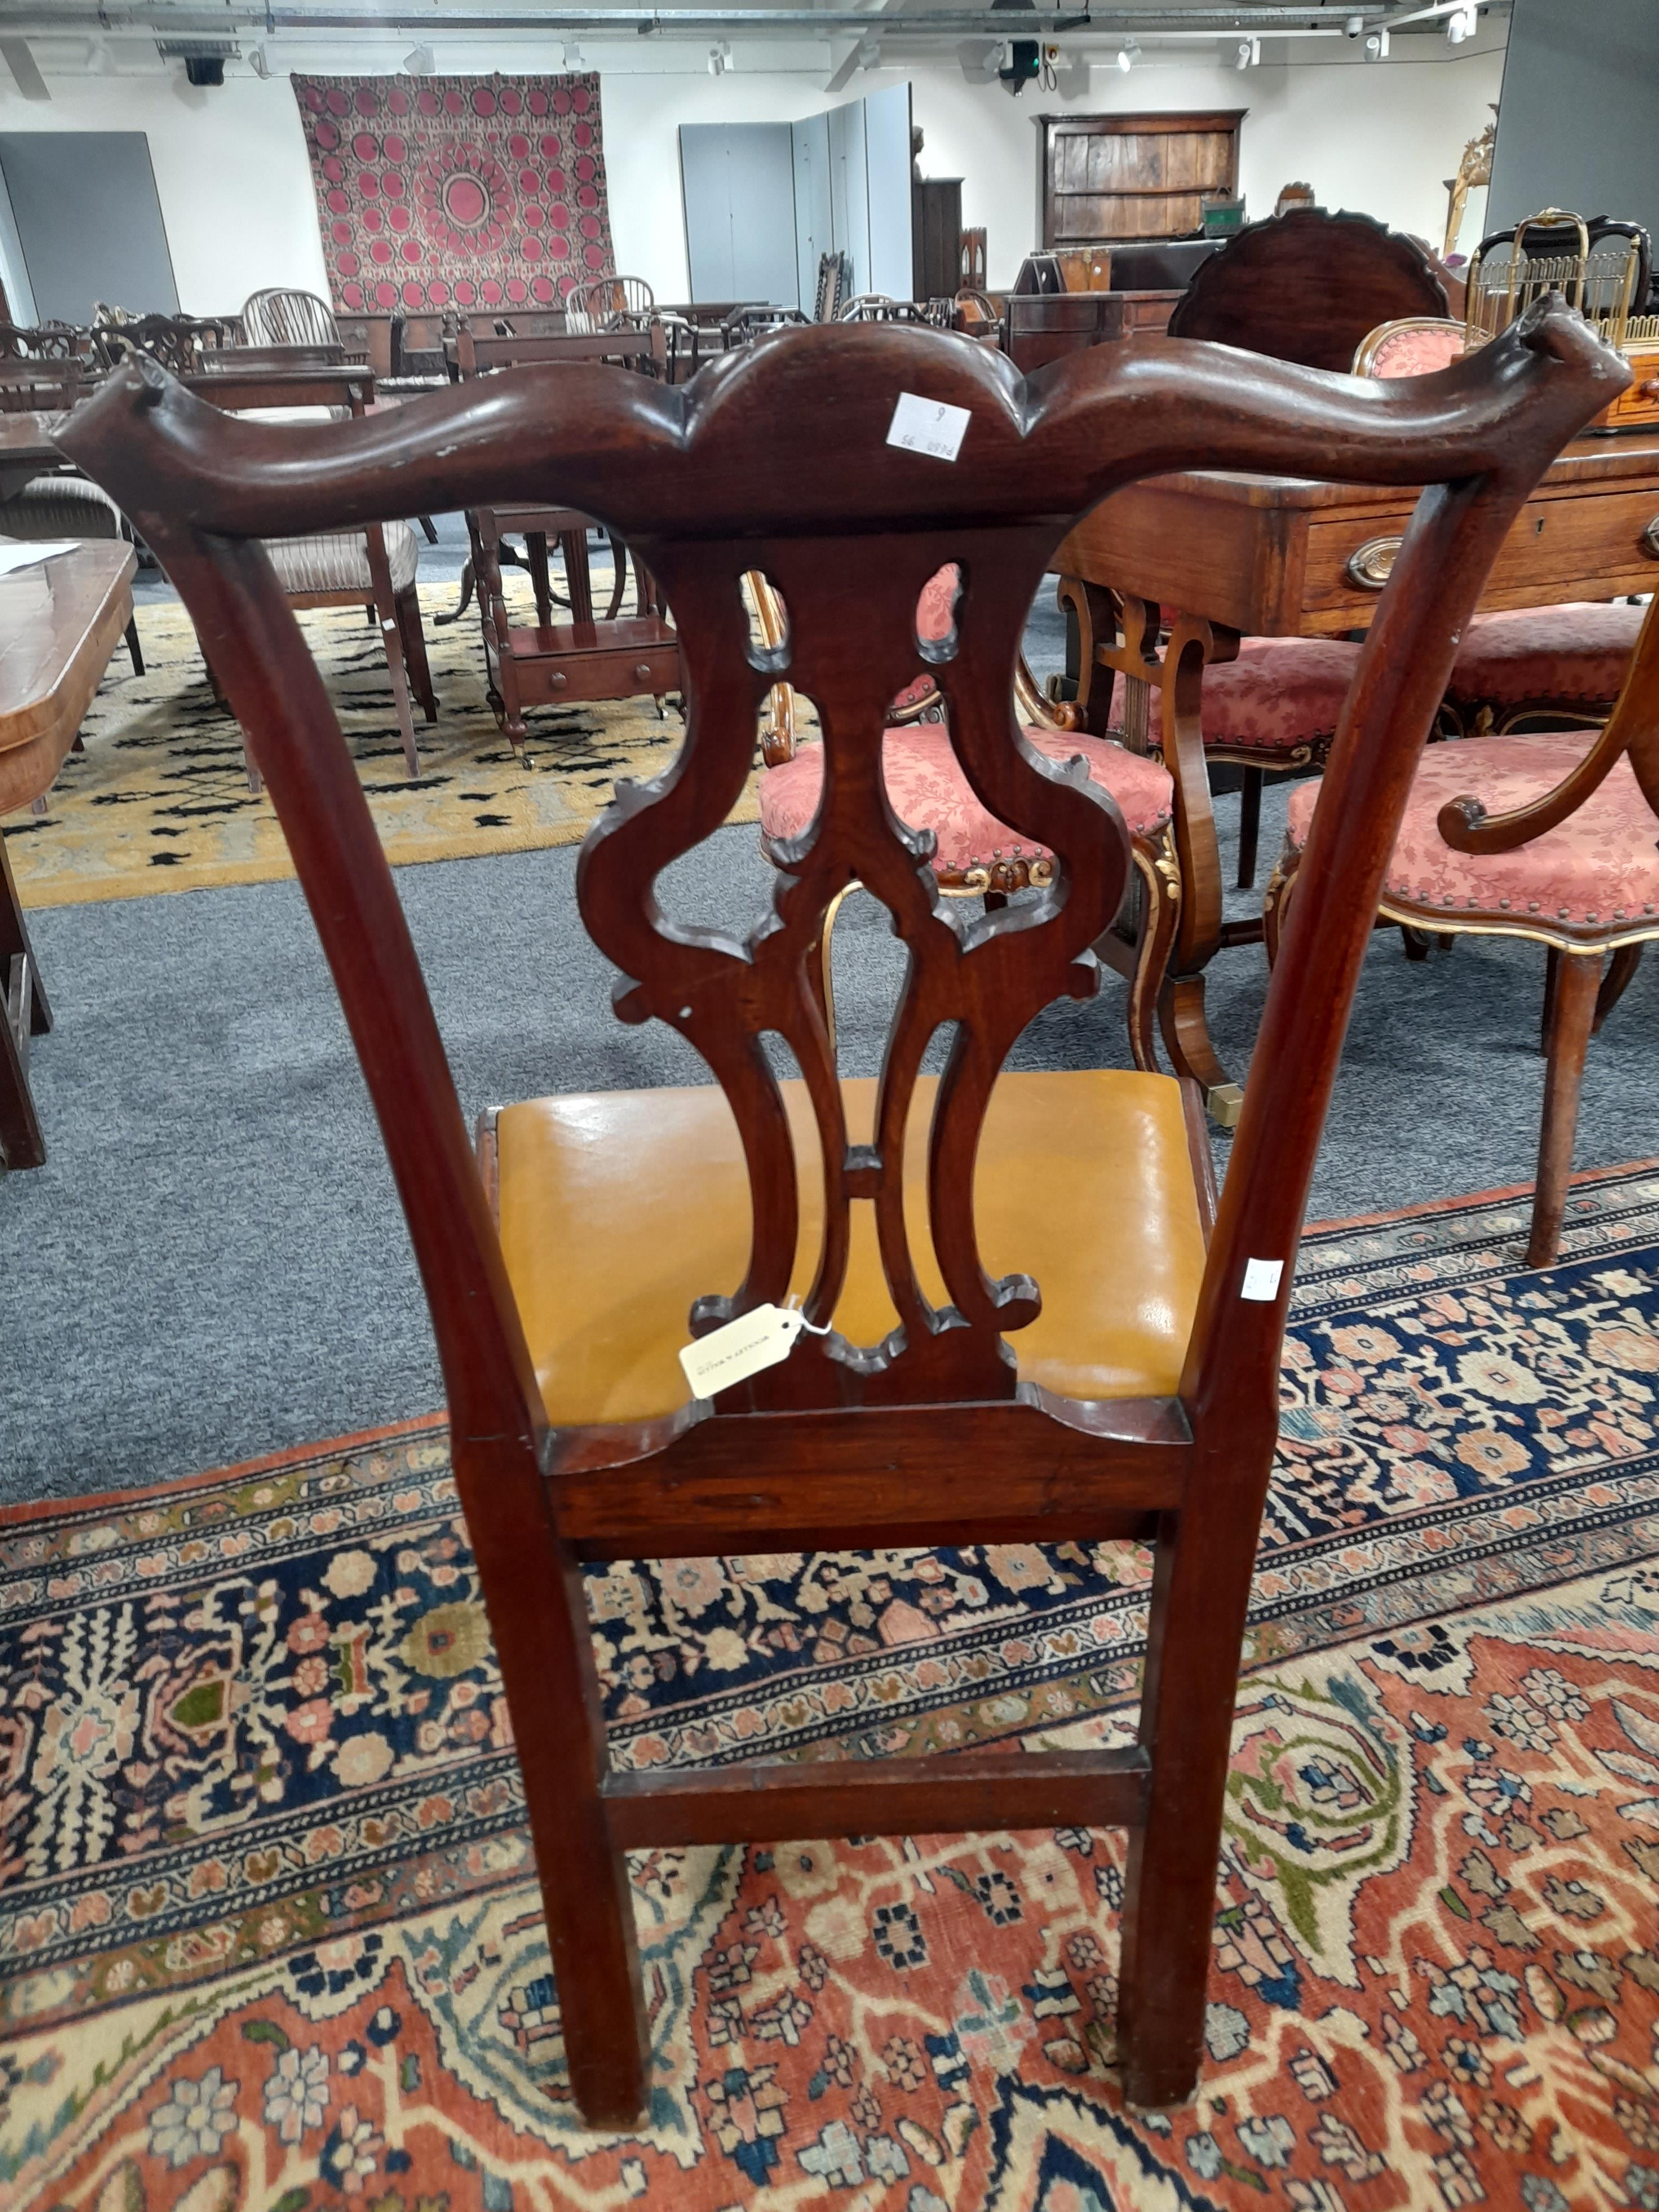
x,y
60,620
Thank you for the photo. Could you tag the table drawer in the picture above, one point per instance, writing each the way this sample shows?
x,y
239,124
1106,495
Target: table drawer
x,y
1589,547
618,671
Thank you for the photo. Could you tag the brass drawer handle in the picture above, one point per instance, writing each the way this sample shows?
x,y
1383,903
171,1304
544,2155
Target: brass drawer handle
x,y
1649,541
1373,564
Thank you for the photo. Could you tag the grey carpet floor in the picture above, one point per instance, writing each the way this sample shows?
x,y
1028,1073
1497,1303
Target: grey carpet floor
x,y
210,1266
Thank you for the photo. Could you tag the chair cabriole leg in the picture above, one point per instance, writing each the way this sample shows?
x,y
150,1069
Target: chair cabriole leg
x,y
1572,1013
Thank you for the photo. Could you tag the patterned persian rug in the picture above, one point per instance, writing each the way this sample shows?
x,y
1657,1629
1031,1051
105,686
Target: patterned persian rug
x,y
271,1942
159,801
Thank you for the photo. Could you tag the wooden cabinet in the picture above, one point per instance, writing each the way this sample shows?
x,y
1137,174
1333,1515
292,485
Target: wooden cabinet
x,y
935,237
366,338
1147,311
1108,177
1039,327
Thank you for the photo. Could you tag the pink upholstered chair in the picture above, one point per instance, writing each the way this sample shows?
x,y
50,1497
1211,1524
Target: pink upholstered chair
x,y
1558,846
1532,664
974,855
1415,345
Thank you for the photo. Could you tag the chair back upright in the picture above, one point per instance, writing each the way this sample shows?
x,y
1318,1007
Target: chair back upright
x,y
714,479
1307,287
608,303
279,316
44,369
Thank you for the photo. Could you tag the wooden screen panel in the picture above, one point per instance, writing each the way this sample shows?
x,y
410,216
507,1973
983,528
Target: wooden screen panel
x,y
1108,177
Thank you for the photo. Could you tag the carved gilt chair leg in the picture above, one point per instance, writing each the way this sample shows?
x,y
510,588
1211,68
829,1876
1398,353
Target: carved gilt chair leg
x,y
1578,979
820,974
1160,915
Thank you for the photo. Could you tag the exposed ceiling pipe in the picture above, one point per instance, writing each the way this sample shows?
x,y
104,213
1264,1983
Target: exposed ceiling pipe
x,y
47,17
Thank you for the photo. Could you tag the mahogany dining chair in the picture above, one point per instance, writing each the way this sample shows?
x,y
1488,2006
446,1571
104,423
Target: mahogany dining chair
x,y
934,1394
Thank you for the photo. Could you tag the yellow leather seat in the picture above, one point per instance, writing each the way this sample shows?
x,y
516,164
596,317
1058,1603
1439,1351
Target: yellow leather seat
x,y
619,1209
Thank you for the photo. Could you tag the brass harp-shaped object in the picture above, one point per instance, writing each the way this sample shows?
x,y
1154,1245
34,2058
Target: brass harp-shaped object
x,y
1598,282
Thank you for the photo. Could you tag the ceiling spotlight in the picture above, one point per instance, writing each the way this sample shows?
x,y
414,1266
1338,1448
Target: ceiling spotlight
x,y
1376,46
869,50
1249,53
1354,25
1128,54
1463,23
573,57
719,60
260,62
418,62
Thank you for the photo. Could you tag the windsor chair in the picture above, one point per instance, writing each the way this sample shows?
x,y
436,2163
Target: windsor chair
x,y
608,303
947,1399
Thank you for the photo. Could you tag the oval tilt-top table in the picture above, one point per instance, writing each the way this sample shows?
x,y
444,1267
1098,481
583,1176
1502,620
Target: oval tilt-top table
x,y
60,620
1212,557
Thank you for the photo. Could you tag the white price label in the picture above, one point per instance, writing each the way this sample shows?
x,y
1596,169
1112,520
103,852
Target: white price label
x,y
1262,1279
928,426
742,1347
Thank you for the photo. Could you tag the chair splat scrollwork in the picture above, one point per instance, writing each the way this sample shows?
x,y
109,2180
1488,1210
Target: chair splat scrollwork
x,y
985,979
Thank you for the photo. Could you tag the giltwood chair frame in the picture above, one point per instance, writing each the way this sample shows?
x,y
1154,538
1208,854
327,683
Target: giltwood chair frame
x,y
711,480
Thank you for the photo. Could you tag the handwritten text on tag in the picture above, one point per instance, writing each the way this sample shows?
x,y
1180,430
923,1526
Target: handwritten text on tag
x,y
742,1348
928,426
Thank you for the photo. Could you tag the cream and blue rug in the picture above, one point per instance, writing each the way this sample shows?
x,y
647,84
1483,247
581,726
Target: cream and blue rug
x,y
159,799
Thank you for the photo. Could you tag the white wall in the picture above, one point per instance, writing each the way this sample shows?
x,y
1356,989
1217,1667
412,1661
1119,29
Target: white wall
x,y
1379,138
231,174
236,188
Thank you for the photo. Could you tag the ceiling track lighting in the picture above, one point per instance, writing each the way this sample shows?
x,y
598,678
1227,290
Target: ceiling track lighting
x,y
1376,46
419,62
1128,54
573,57
719,60
1250,54
260,62
1463,23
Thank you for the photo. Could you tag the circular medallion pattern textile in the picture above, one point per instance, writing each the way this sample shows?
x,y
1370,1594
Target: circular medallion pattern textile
x,y
457,191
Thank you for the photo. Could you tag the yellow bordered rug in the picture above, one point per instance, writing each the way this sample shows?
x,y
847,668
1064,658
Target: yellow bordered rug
x,y
159,801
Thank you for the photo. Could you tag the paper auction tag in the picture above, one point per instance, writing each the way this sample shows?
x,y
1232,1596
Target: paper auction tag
x,y
928,426
1261,1280
742,1348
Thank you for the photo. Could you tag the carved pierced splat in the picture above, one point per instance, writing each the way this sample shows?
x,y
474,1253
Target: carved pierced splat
x,y
985,978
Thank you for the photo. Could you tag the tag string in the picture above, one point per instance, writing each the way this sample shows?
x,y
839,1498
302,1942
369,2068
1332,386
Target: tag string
x,y
813,1327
